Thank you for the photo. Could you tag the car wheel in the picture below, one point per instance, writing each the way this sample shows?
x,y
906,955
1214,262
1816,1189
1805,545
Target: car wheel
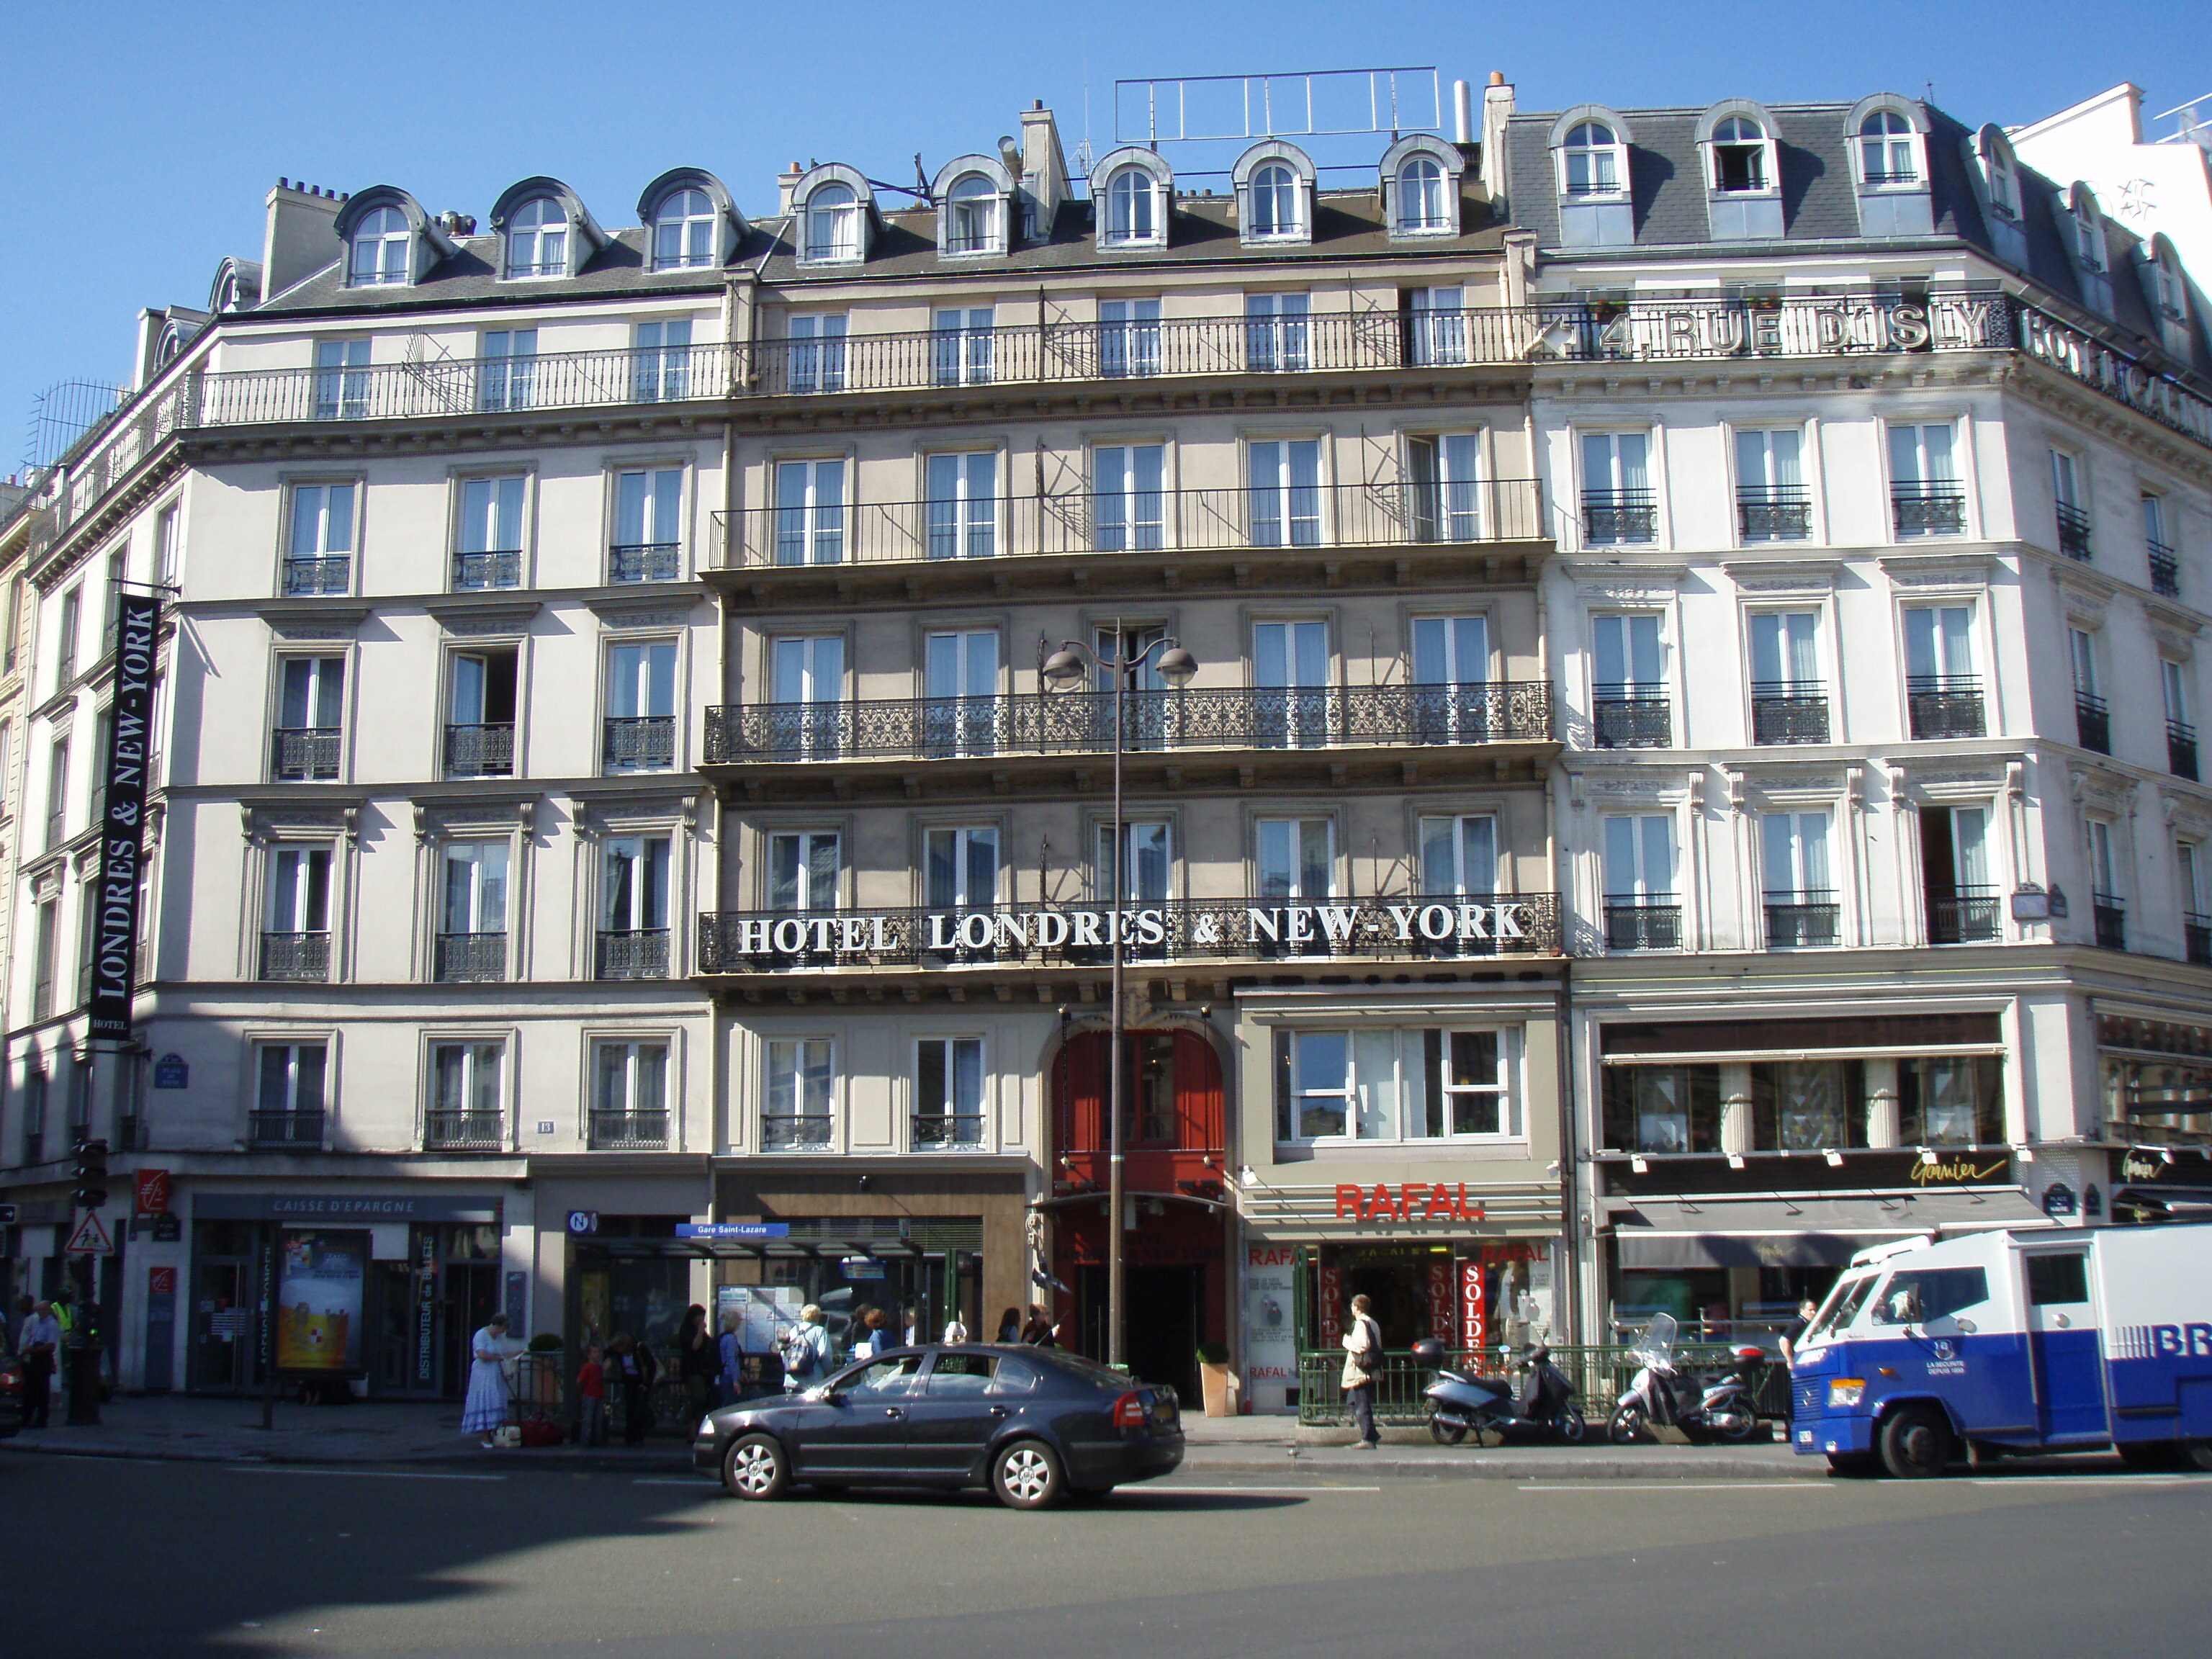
x,y
1570,1426
1916,1444
756,1469
2198,1452
1026,1475
1446,1433
1627,1425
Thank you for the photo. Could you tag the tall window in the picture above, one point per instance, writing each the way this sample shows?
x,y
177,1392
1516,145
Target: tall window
x,y
1630,706
467,1095
1272,204
961,868
1954,860
1925,495
683,230
802,869
1450,679
2158,542
629,1094
1320,1102
45,940
1444,487
807,678
816,358
633,942
948,1092
972,215
1799,882
1128,504
538,239
1131,212
833,223
963,505
1290,670
960,673
795,1098
2003,182
1459,856
169,548
1436,325
664,362
1789,703
1886,149
57,771
640,721
1942,689
1739,155
380,249
2073,513
1643,911
1276,338
67,634
648,525
1129,337
318,557
480,722
1617,503
471,943
2180,732
2108,900
290,1094
1146,870
296,925
1294,857
1770,499
11,646
809,512
1424,197
964,337
311,700
1591,159
2196,905
507,378
1285,488
491,553
342,379
2091,718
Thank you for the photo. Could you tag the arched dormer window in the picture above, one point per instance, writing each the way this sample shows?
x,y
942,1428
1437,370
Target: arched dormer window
x,y
1742,156
690,223
538,239
1889,149
169,346
1590,161
2085,228
975,197
380,255
1888,137
1420,187
833,223
1274,185
1590,172
2000,173
237,286
1133,187
2168,291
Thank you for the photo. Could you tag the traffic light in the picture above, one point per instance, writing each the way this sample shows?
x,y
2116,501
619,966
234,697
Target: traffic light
x,y
91,1173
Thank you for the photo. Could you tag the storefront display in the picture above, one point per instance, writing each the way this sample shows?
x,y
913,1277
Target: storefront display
x,y
320,1279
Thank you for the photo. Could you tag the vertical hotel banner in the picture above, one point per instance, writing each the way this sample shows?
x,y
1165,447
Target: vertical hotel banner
x,y
122,842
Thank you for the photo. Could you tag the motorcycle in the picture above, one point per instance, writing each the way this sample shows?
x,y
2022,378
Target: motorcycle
x,y
1460,1404
1659,1397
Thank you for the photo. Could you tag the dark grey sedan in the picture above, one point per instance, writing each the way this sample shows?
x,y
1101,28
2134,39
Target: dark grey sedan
x,y
1037,1425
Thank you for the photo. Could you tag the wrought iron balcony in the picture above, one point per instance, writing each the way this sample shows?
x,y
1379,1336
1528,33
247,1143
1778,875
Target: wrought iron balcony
x,y
644,562
1798,921
1624,717
1392,927
1082,722
639,743
462,1130
2092,723
628,1132
469,959
1964,916
2196,938
1611,518
1929,509
302,753
1392,514
2181,749
943,1131
2073,531
1944,705
2165,571
794,1131
1788,711
635,953
1652,923
480,751
477,572
321,576
2111,917
302,957
1773,512
296,1129
413,390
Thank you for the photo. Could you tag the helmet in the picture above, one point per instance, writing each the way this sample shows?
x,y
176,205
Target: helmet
x,y
1429,1353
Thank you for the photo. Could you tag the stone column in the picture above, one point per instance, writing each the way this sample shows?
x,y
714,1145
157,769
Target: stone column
x,y
1736,1106
1881,1101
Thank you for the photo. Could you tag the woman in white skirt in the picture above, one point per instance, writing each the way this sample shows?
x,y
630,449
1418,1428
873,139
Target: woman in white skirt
x,y
484,1411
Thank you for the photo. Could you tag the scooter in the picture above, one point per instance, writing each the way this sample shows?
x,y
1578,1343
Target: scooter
x,y
1460,1404
1657,1396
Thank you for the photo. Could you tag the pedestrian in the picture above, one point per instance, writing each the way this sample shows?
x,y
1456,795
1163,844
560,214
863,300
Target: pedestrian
x,y
1792,1334
635,1368
483,1412
805,1351
41,1338
911,1337
730,1347
698,1362
1010,1325
592,1389
873,1341
1363,1362
1039,1332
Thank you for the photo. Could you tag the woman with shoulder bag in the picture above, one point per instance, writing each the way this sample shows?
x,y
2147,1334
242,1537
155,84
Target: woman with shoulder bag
x,y
1362,1363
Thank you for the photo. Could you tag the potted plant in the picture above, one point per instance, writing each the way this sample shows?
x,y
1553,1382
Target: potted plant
x,y
1218,1382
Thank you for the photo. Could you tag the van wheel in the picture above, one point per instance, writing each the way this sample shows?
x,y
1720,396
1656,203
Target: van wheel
x,y
1852,1465
1916,1444
1026,1475
2198,1452
2150,1453
756,1468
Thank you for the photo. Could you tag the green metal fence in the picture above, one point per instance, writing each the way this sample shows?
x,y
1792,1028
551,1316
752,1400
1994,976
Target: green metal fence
x,y
1599,1374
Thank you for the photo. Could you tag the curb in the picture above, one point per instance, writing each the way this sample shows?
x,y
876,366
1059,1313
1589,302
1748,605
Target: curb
x,y
576,1463
1580,1468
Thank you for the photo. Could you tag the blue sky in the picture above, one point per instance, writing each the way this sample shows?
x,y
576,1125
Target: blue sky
x,y
164,126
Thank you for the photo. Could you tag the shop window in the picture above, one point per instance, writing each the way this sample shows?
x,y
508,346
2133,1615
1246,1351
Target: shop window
x,y
1807,1106
1662,1109
1951,1102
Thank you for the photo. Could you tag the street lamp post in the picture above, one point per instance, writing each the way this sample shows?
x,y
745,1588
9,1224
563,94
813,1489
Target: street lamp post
x,y
1064,670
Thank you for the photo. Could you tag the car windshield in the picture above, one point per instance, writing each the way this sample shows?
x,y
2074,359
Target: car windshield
x,y
1841,1307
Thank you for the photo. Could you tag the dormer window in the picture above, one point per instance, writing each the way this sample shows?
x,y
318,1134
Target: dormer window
x,y
1275,184
974,217
833,224
2166,281
684,231
538,239
2004,186
1591,162
380,250
1887,152
1421,204
1420,176
1130,216
1739,155
1274,203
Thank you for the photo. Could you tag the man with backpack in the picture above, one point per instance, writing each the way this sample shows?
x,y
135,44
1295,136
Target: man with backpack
x,y
805,1351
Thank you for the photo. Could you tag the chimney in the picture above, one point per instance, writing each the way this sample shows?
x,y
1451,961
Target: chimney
x,y
302,236
1044,168
1496,110
786,181
1462,113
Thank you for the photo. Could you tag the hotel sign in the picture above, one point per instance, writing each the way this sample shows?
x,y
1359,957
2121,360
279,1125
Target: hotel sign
x,y
2073,353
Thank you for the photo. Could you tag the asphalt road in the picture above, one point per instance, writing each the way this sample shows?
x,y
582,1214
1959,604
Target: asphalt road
x,y
104,1557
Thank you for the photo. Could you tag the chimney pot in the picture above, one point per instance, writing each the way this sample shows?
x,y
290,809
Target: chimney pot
x,y
1497,78
284,182
1037,104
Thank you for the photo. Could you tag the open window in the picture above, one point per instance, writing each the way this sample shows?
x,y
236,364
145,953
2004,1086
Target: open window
x,y
973,195
1744,172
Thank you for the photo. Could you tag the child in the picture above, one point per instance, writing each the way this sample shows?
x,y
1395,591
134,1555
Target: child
x,y
591,1388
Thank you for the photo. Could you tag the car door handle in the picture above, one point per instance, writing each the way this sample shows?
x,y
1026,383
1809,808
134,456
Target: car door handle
x,y
894,1411
998,1410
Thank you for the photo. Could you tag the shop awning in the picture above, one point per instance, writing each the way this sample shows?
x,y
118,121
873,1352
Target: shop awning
x,y
1678,1234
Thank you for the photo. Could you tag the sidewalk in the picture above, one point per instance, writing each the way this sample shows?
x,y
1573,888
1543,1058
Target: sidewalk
x,y
200,1430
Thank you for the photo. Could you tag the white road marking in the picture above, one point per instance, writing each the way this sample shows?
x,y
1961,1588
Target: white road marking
x,y
357,1474
1600,1484
1215,1491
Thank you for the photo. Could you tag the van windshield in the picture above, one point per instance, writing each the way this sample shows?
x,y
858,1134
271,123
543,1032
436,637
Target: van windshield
x,y
1915,1295
1840,1309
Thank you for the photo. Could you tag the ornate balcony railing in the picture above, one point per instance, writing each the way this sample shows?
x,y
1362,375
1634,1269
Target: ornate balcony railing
x,y
1612,517
639,743
2111,920
1392,514
1082,722
1624,718
480,751
1944,705
645,561
628,1132
284,1129
636,953
302,957
1788,712
2073,531
1773,512
1964,916
2165,571
1795,921
1643,924
469,959
2196,938
318,577
787,1132
938,1131
477,572
2092,723
298,753
1929,509
2181,749
447,1129
1392,927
